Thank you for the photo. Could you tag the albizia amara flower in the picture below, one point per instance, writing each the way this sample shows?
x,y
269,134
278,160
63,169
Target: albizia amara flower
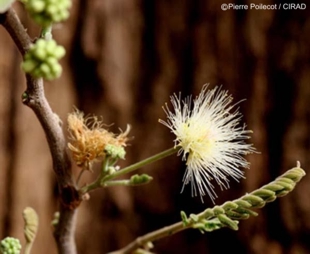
x,y
211,139
89,138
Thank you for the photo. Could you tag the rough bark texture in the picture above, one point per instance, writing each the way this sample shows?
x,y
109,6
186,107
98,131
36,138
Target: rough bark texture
x,y
124,59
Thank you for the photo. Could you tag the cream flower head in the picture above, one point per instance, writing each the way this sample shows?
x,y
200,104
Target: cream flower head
x,y
210,137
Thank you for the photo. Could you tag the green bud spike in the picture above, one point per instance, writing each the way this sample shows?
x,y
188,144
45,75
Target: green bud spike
x,y
285,180
263,193
228,222
30,228
294,175
200,226
246,211
237,216
210,225
194,217
254,200
270,199
229,205
286,186
218,210
31,224
273,187
208,213
184,218
243,203
283,193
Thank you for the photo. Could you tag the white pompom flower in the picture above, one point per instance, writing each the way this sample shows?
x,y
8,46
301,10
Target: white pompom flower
x,y
211,139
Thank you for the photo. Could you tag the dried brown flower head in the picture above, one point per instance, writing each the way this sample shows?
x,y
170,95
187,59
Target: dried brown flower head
x,y
88,139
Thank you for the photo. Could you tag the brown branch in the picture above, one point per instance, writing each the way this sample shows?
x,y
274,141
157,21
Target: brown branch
x,y
34,98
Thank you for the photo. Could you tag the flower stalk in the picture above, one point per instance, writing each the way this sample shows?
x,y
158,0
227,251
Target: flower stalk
x,y
142,163
105,179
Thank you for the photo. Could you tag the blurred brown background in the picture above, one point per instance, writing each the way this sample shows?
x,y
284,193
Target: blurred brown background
x,y
124,59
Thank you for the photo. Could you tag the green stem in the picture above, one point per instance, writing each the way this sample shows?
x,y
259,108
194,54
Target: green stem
x,y
28,248
80,175
97,183
46,32
142,163
101,180
118,182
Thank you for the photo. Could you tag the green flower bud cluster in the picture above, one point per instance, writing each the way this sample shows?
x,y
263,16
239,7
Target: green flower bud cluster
x,y
10,245
140,179
116,152
42,59
45,12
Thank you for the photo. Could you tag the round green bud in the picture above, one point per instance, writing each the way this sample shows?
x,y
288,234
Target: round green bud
x,y
64,15
56,71
50,47
59,52
10,245
29,65
51,60
51,10
40,53
37,73
45,69
37,6
40,43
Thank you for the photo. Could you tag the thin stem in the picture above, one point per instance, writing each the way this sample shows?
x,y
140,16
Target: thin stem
x,y
79,176
46,32
118,182
142,163
150,237
102,180
28,247
97,183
